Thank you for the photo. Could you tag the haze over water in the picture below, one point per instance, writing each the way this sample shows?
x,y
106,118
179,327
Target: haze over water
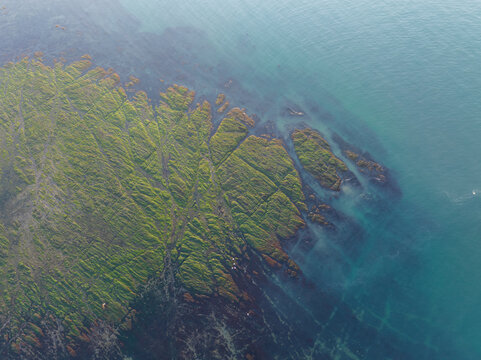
x,y
399,79
403,80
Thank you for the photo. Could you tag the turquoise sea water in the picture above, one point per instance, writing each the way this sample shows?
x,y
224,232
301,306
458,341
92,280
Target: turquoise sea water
x,y
401,79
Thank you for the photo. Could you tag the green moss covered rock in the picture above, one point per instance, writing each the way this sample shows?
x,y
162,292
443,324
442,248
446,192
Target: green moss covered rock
x,y
100,192
316,157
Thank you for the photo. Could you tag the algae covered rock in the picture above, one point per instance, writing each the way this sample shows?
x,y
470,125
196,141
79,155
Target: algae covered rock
x,y
100,192
367,166
316,156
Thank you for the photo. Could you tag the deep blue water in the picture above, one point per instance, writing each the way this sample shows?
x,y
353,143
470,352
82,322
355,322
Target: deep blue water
x,y
399,79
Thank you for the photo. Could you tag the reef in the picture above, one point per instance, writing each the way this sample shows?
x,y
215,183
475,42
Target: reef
x,y
220,99
102,193
316,156
223,107
367,166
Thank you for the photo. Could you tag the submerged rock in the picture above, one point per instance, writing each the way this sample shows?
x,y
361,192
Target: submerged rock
x,y
293,112
375,172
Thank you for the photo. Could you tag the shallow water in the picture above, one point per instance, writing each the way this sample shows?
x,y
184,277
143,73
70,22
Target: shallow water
x,y
399,79
405,75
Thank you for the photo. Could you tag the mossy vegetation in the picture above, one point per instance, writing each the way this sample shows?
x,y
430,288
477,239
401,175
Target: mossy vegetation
x,y
365,165
223,107
99,192
220,99
316,157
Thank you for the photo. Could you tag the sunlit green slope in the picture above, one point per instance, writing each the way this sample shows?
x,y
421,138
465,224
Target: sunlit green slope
x,y
99,192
